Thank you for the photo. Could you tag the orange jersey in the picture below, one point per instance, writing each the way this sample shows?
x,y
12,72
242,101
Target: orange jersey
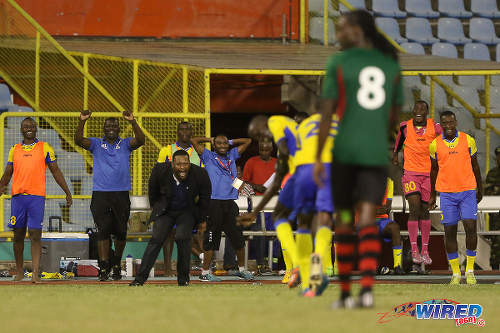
x,y
454,160
29,163
416,147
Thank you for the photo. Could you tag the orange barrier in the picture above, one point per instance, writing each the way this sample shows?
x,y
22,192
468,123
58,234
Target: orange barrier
x,y
170,19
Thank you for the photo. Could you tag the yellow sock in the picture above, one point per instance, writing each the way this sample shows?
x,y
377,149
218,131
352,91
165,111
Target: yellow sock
x,y
287,259
304,251
335,263
470,264
285,235
455,267
323,246
396,254
327,260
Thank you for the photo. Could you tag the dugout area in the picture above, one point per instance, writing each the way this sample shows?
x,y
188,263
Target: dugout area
x,y
164,82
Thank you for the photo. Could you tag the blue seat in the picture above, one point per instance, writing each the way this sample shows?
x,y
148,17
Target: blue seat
x,y
5,97
485,8
476,51
497,52
419,30
420,8
482,30
451,30
388,8
453,8
391,28
444,50
358,4
413,48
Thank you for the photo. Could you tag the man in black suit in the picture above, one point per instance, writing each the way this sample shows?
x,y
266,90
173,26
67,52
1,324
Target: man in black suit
x,y
179,194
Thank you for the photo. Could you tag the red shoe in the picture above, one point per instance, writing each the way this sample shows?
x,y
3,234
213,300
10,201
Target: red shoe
x,y
425,258
294,278
415,256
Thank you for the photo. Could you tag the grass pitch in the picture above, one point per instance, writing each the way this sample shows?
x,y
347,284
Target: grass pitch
x,y
225,308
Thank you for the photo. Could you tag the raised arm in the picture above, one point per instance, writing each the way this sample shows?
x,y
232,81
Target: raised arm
x,y
139,139
198,143
80,140
242,144
7,175
477,175
59,178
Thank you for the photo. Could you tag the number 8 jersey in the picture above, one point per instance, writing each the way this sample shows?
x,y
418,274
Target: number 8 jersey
x,y
366,84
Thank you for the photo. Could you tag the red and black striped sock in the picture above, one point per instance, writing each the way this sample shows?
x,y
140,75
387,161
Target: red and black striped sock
x,y
368,250
345,242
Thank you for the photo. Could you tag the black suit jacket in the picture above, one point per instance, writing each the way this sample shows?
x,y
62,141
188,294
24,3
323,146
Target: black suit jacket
x,y
161,185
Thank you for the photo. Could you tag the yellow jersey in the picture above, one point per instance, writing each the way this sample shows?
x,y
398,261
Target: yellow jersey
x,y
285,128
307,140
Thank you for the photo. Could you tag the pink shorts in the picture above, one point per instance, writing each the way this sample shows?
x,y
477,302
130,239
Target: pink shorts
x,y
417,184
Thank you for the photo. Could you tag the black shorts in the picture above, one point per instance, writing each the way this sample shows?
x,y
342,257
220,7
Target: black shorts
x,y
111,212
355,183
222,217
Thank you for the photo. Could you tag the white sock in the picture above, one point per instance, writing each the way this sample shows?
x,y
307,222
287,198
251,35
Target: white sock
x,y
241,268
205,272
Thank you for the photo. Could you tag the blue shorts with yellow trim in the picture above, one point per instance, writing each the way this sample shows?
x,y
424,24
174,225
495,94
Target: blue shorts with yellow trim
x,y
286,194
382,223
308,197
458,206
27,211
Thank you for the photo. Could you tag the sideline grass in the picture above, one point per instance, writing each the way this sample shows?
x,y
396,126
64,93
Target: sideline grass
x,y
224,308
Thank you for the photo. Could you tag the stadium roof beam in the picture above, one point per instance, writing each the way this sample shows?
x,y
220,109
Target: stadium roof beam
x,y
253,57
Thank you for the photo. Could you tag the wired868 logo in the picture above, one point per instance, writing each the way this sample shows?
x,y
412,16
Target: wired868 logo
x,y
437,309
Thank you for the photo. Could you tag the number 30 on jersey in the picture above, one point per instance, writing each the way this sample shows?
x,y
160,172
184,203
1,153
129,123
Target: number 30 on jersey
x,y
371,93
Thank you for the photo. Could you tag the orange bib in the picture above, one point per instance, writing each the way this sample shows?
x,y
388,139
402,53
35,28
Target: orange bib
x,y
416,150
29,170
455,168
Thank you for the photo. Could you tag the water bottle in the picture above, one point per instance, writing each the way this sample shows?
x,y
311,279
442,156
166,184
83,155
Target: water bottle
x,y
129,266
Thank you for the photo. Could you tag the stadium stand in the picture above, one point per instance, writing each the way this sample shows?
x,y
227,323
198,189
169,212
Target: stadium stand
x,y
359,4
413,48
420,8
470,95
482,30
451,30
316,29
391,28
453,8
6,103
485,8
419,30
444,50
387,8
316,7
476,51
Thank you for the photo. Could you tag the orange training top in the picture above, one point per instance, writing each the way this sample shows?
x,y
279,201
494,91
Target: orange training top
x,y
29,164
416,150
455,168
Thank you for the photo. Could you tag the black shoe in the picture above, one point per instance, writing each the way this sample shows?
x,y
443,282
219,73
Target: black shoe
x,y
103,274
116,273
183,284
136,283
398,271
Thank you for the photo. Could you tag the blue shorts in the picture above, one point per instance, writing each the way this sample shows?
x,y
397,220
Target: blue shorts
x,y
308,197
458,206
27,211
382,223
286,194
